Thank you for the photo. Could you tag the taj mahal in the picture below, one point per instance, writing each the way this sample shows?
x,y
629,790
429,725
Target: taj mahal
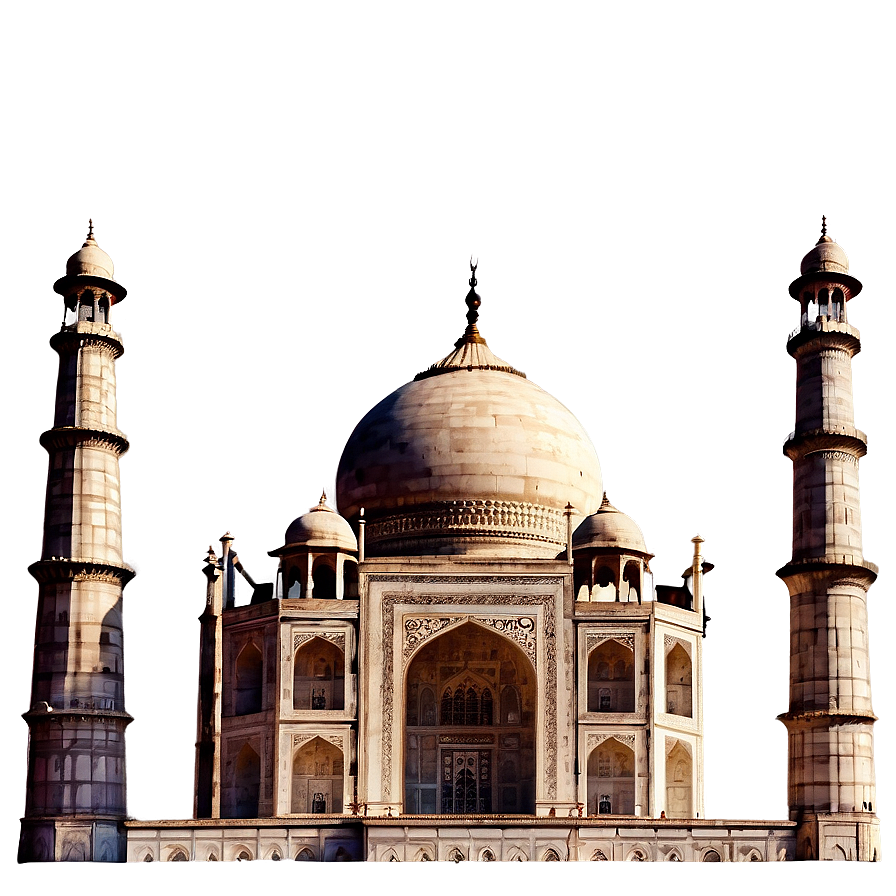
x,y
463,655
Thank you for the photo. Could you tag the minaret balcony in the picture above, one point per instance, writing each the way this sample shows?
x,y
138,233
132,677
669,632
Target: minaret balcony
x,y
827,438
829,331
85,331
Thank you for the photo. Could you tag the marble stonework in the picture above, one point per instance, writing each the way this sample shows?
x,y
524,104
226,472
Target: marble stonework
x,y
471,662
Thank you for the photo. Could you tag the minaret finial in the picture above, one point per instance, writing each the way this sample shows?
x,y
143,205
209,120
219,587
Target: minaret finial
x,y
90,228
473,302
824,238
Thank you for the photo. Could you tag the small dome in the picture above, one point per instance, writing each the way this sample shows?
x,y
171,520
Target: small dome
x,y
321,527
826,262
90,260
825,256
609,528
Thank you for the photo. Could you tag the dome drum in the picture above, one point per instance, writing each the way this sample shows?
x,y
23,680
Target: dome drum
x,y
469,527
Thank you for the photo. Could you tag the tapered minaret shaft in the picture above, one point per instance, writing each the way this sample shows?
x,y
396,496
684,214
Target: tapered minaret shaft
x,y
829,723
76,797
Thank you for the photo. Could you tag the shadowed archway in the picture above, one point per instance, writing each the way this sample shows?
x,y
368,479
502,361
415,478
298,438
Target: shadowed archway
x,y
470,726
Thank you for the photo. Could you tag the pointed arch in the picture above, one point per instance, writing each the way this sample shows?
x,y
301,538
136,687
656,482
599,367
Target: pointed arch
x,y
599,856
611,677
349,579
318,778
246,784
611,779
323,578
249,679
318,676
679,674
550,855
604,588
679,779
296,584
711,855
631,582
467,668
305,854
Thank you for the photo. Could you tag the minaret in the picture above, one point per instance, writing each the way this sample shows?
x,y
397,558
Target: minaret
x,y
829,724
75,799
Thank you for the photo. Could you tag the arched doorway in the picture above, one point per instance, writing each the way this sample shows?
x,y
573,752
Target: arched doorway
x,y
319,676
611,678
249,677
678,682
470,726
679,777
246,783
317,778
611,779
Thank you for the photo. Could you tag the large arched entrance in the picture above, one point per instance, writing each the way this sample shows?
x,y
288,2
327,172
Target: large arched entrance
x,y
470,726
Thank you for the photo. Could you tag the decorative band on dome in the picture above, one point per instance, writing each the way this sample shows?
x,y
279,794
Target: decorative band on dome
x,y
497,519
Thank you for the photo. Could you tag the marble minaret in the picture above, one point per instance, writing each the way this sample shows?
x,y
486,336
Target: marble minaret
x,y
76,798
829,723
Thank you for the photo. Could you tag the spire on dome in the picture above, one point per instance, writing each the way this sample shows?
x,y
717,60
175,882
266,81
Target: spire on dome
x,y
471,352
89,231
824,238
473,302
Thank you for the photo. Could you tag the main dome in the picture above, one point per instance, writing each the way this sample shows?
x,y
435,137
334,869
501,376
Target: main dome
x,y
470,457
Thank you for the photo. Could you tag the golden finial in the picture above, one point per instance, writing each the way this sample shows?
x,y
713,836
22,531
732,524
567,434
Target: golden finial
x,y
473,302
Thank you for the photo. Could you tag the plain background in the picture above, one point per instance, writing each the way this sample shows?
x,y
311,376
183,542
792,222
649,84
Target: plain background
x,y
291,193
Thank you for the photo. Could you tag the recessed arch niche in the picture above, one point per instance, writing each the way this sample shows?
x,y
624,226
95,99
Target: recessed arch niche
x,y
611,779
470,711
679,781
611,677
679,698
318,676
317,778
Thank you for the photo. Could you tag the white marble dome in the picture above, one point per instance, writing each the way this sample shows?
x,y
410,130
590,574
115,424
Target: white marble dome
x,y
90,260
609,528
464,458
321,527
826,255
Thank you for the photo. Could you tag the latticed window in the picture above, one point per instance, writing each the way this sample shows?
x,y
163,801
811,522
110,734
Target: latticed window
x,y
472,707
487,715
467,707
446,707
457,717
